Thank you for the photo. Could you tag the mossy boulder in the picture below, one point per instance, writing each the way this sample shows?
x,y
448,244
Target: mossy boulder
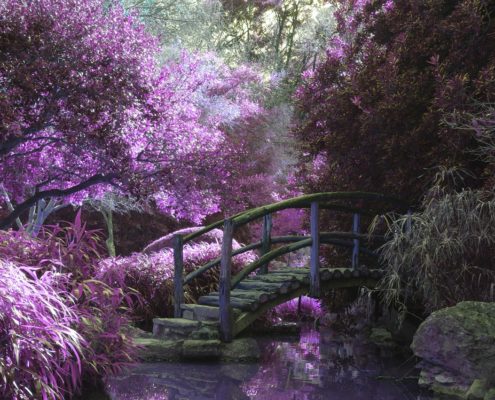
x,y
457,345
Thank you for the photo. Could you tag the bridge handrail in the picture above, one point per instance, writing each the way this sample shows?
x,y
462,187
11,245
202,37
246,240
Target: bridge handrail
x,y
325,237
304,201
273,254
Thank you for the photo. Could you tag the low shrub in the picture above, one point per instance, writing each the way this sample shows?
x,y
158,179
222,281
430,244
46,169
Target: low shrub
x,y
100,314
298,309
105,322
41,350
69,247
448,254
152,275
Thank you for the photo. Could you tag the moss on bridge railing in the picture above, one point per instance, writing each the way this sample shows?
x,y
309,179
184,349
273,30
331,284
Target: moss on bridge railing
x,y
325,237
304,202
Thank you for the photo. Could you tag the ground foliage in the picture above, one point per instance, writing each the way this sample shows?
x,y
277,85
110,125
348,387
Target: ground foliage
x,y
41,351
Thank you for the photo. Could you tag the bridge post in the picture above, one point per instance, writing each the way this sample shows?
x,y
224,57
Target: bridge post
x,y
409,222
178,272
314,270
226,328
356,227
266,241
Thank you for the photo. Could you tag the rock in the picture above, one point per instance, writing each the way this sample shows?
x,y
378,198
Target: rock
x,y
241,350
490,394
477,390
199,312
199,349
206,332
457,345
173,328
157,350
380,336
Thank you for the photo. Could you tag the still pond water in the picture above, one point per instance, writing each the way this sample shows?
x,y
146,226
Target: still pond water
x,y
317,365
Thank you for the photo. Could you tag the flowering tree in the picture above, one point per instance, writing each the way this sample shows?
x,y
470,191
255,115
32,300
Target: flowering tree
x,y
373,110
86,104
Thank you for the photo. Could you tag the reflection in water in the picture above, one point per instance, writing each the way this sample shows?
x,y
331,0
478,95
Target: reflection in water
x,y
317,366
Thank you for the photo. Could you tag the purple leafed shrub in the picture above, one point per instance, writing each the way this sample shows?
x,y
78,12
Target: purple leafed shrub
x,y
104,321
41,351
99,313
293,311
69,248
152,275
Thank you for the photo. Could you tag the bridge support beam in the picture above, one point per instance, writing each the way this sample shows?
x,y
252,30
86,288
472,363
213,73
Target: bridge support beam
x,y
356,227
226,323
178,272
409,222
266,241
314,268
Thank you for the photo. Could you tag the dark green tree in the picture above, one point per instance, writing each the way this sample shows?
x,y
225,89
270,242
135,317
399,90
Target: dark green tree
x,y
373,113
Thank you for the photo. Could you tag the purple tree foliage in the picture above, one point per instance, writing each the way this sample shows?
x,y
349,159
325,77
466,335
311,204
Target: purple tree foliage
x,y
86,103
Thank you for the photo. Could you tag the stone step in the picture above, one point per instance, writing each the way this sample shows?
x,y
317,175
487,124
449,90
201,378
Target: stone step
x,y
259,296
240,304
207,331
174,328
200,312
201,349
183,329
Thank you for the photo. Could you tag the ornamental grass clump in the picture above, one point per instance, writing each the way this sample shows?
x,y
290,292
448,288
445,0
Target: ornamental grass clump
x,y
100,314
41,350
446,257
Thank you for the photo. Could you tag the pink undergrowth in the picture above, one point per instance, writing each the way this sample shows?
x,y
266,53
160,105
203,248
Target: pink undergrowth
x,y
152,275
60,326
167,241
308,309
41,351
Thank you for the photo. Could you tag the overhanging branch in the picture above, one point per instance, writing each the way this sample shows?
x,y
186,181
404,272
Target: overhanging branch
x,y
20,208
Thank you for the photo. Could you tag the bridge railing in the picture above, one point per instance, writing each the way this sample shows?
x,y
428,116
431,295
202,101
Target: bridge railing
x,y
315,202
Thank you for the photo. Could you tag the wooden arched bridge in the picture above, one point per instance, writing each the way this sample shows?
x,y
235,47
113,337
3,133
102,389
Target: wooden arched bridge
x,y
242,298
